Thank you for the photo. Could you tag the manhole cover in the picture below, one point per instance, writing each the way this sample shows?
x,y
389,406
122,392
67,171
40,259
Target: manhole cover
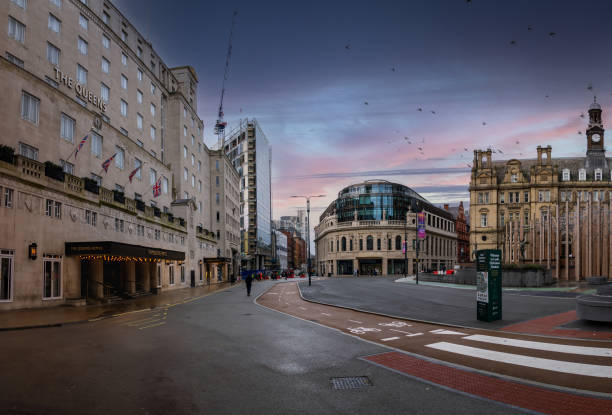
x,y
247,314
353,382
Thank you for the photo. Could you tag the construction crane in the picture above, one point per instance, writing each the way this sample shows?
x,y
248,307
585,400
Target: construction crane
x,y
221,124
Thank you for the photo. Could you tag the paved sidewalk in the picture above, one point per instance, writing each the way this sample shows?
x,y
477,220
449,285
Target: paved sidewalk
x,y
60,315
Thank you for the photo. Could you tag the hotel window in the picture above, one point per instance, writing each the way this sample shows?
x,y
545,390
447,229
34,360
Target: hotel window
x,y
124,108
182,273
184,152
165,185
217,165
81,75
526,197
185,174
96,144
83,22
20,3
124,81
502,197
124,35
153,110
52,280
171,275
96,178
199,206
28,151
53,209
124,60
199,185
91,217
526,217
15,60
8,197
139,96
104,92
82,46
118,225
152,88
137,164
566,175
123,131
84,2
153,130
119,157
184,112
595,196
582,174
16,30
192,140
139,143
501,219
67,128
53,54
563,198
105,41
199,147
58,3
29,107
139,52
598,174
217,198
217,181
105,17
185,195
152,177
105,65
199,165
483,220
192,159
139,121
139,76
193,181
54,24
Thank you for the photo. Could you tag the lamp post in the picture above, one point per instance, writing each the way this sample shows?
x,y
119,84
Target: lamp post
x,y
308,232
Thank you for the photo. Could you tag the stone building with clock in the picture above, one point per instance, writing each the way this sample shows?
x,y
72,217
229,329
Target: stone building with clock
x,y
555,212
77,71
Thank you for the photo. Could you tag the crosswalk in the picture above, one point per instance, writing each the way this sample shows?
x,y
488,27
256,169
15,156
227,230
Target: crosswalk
x,y
141,320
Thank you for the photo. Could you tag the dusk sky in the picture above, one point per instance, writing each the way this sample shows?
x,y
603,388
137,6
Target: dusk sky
x,y
496,73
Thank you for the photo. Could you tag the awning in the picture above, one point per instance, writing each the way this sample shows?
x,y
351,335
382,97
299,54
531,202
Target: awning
x,y
217,260
121,250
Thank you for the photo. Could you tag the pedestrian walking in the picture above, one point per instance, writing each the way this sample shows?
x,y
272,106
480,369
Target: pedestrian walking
x,y
248,280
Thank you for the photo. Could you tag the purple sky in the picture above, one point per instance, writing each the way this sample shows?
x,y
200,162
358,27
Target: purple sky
x,y
292,71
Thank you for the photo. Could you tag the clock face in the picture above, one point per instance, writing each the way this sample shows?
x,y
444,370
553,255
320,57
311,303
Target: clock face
x,y
595,138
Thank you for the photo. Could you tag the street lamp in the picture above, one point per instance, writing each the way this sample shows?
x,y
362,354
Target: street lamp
x,y
308,232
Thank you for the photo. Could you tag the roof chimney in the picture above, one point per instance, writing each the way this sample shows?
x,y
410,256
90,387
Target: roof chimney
x,y
446,206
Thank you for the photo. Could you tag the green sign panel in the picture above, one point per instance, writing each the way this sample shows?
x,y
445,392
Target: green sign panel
x,y
488,285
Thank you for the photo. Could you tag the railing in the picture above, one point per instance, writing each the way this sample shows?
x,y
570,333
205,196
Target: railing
x,y
29,167
369,222
396,222
343,224
73,183
130,204
106,195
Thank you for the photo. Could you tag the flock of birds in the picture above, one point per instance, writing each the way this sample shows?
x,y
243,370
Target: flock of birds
x,y
420,144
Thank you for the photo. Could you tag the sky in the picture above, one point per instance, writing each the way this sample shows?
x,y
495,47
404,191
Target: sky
x,y
404,91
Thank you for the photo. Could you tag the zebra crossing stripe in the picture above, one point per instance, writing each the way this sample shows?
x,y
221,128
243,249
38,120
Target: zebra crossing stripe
x,y
549,347
583,369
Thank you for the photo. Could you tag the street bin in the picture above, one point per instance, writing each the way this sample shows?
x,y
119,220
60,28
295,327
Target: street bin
x,y
488,285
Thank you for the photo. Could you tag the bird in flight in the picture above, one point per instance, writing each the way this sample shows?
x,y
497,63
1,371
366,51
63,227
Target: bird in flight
x,y
347,46
433,112
513,42
518,142
581,115
546,96
366,103
580,132
465,148
392,69
420,109
529,27
590,87
551,34
484,123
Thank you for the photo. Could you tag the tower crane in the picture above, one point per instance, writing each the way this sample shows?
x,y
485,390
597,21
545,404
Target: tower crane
x,y
221,124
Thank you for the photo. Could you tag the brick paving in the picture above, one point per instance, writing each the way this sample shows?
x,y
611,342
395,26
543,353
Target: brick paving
x,y
549,326
512,393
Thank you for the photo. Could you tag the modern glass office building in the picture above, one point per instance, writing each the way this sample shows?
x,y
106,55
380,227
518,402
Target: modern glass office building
x,y
366,229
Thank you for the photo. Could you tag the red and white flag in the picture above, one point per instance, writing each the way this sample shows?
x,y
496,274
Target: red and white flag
x,y
133,173
107,163
157,188
80,145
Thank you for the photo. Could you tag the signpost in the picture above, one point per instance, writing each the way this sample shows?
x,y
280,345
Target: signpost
x,y
420,235
488,285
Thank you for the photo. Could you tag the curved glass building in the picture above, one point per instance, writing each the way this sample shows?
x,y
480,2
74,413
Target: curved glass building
x,y
367,227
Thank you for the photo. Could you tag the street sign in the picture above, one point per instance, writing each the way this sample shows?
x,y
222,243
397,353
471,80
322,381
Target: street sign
x,y
421,225
488,285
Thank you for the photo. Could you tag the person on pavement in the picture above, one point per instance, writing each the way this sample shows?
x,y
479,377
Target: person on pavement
x,y
248,280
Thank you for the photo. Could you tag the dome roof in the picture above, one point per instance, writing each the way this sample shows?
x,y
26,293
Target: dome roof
x,y
595,106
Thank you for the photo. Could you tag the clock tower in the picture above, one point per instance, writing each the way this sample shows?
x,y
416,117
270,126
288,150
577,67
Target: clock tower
x,y
596,153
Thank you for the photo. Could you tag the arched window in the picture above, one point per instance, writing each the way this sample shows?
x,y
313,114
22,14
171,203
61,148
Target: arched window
x,y
351,245
398,243
331,246
378,244
370,243
566,175
343,244
361,244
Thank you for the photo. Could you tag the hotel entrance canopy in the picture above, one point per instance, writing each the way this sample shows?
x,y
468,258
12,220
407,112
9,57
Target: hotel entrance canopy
x,y
121,250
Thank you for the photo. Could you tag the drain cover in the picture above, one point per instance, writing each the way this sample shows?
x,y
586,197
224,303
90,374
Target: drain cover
x,y
353,382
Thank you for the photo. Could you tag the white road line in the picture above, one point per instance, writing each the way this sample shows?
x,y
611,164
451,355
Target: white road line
x,y
550,347
355,321
303,308
326,314
400,331
153,325
413,334
389,339
442,331
582,369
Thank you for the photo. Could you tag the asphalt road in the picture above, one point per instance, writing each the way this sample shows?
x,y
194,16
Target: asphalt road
x,y
429,303
219,354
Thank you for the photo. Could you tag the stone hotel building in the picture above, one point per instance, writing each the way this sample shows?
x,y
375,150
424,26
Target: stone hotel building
x,y
78,72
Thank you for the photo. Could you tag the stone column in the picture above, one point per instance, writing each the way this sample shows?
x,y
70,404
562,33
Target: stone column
x,y
589,258
385,268
128,276
355,264
566,272
96,276
557,265
577,240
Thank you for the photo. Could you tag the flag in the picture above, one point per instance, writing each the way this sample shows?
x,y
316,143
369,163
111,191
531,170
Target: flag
x,y
134,172
107,163
80,145
157,188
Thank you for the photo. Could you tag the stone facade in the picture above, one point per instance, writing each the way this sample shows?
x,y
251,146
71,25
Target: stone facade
x,y
551,211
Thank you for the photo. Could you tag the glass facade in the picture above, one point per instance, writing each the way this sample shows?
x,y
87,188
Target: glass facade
x,y
263,168
371,198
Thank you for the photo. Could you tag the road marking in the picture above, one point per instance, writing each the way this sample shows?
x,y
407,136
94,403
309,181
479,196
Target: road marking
x,y
413,334
389,339
272,293
583,369
147,321
550,347
326,314
395,324
303,308
442,331
361,330
153,325
355,321
400,331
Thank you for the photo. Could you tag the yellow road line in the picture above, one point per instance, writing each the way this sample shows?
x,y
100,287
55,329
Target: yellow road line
x,y
131,312
145,321
153,325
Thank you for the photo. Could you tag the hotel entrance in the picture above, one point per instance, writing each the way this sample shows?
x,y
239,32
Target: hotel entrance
x,y
111,270
369,266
